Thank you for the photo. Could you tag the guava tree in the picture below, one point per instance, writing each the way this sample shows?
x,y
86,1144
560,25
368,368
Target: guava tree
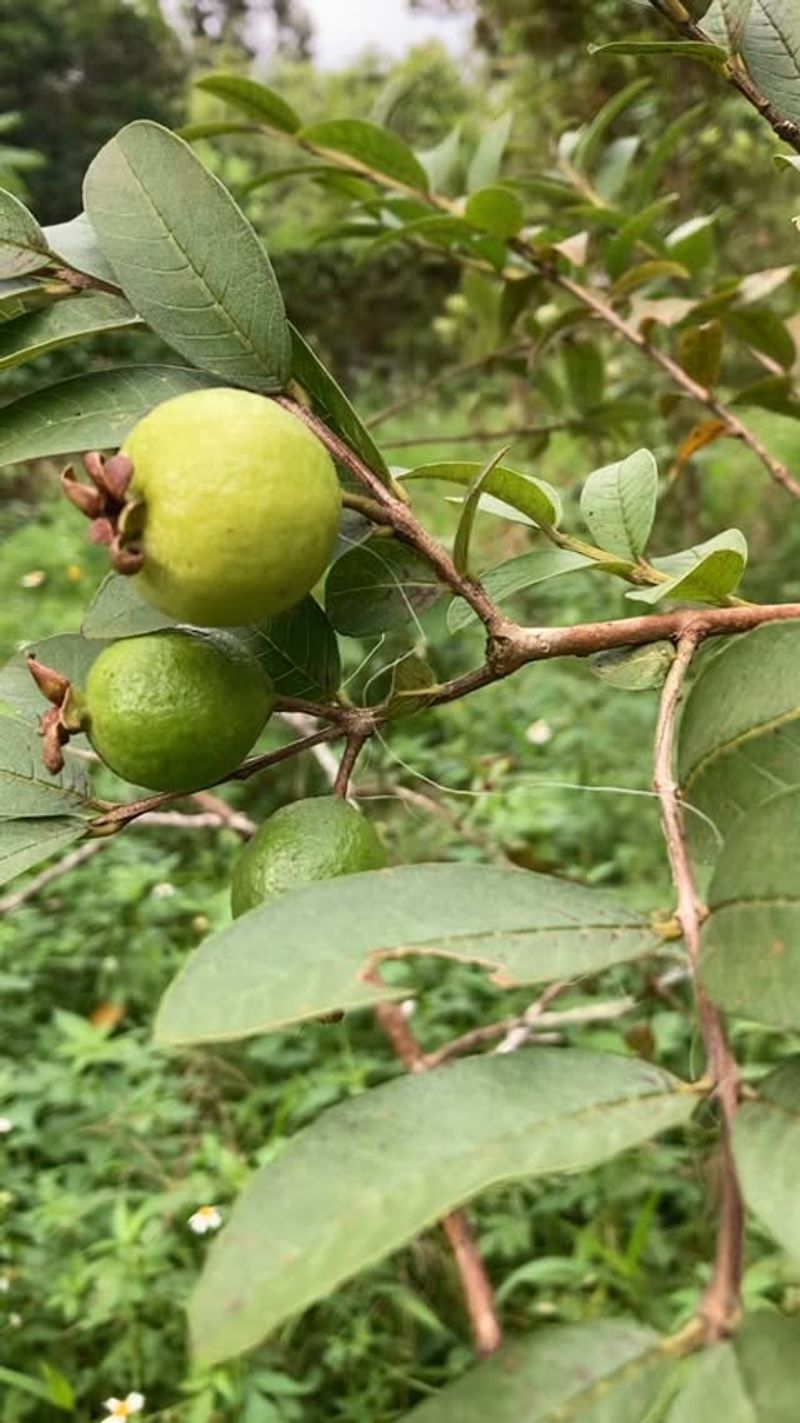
x,y
217,500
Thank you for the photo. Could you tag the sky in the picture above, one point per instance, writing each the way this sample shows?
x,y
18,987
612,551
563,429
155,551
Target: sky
x,y
343,29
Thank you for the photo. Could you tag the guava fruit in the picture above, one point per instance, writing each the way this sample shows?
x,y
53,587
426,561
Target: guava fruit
x,y
234,505
176,710
314,839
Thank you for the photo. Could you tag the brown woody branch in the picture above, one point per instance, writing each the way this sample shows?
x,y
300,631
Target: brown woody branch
x,y
720,1309
734,71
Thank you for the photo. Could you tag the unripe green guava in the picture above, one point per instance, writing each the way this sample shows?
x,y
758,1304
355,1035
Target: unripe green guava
x,y
240,507
314,839
176,710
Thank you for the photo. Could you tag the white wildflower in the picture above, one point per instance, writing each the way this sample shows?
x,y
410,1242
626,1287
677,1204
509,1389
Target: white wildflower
x,y
204,1219
123,1407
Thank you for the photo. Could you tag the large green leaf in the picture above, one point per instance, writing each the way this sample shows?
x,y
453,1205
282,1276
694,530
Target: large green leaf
x,y
751,942
370,148
535,498
380,585
330,401
26,787
752,1379
516,574
768,34
299,651
119,610
187,257
606,1371
726,18
24,843
522,928
374,1171
23,245
618,503
37,332
87,412
766,1141
739,738
707,573
252,99
76,245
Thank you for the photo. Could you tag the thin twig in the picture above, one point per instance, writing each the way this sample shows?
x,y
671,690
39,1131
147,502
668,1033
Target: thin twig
x,y
453,373
533,1019
478,437
341,786
721,1306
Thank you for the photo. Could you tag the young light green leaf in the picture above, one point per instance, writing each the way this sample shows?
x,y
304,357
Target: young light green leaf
x,y
584,368
27,789
634,669
484,168
705,574
751,941
379,585
23,245
369,148
594,136
766,1142
739,739
24,843
32,335
606,1371
750,1379
710,54
193,133
332,404
89,412
618,503
522,928
75,244
187,257
61,1396
495,209
516,574
441,163
535,498
701,352
340,1196
252,99
469,510
119,610
299,652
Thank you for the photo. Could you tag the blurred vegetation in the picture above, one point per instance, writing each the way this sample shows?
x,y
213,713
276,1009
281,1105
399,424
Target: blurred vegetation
x,y
115,1142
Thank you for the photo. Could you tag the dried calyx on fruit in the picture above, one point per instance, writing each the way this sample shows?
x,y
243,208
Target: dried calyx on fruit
x,y
105,501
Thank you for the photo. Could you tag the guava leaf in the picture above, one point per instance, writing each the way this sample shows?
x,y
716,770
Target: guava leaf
x,y
32,335
23,245
76,245
766,1140
24,843
751,1379
618,503
330,401
67,653
341,1195
27,788
119,610
187,258
496,210
535,498
299,652
487,159
516,574
252,99
88,412
523,928
707,573
371,148
380,585
751,942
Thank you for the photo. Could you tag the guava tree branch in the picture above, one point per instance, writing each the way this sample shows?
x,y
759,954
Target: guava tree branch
x,y
720,1309
734,71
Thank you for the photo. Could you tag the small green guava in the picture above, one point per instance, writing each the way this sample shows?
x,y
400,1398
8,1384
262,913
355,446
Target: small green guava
x,y
176,710
239,508
310,840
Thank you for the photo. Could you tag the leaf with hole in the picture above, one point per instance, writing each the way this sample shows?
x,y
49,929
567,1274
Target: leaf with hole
x,y
380,585
739,739
523,928
89,412
534,498
707,573
38,332
187,258
605,1371
514,576
618,504
252,99
299,652
341,1196
751,941
23,245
